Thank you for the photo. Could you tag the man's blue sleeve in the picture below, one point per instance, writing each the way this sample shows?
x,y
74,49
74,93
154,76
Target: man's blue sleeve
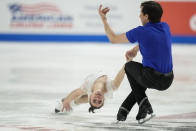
x,y
134,34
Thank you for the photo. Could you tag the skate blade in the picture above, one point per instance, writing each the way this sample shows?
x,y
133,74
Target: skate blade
x,y
63,113
57,111
117,122
146,119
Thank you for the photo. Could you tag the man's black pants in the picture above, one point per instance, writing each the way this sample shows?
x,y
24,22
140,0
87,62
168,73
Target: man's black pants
x,y
141,78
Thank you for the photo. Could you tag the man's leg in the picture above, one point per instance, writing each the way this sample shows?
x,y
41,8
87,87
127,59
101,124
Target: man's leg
x,y
129,102
134,72
125,107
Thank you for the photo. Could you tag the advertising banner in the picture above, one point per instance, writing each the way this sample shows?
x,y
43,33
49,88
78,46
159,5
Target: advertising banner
x,y
181,16
78,20
65,16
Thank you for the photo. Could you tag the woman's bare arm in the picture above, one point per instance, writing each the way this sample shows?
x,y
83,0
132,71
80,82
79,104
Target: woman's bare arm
x,y
72,96
81,100
119,78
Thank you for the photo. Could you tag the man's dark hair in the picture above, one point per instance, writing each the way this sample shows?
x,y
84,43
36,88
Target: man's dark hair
x,y
92,108
153,10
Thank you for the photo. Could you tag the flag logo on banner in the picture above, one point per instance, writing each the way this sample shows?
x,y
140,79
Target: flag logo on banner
x,y
34,9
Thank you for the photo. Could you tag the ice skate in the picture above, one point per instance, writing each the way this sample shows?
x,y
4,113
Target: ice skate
x,y
59,106
122,114
145,111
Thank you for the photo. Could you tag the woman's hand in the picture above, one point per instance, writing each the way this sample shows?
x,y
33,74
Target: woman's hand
x,y
66,106
103,12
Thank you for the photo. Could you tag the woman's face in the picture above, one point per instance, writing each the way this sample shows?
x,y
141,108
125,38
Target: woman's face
x,y
97,99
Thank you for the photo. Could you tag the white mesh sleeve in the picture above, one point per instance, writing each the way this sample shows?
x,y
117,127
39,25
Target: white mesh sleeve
x,y
110,88
84,86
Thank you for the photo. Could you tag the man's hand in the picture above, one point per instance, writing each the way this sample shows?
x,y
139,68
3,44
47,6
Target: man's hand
x,y
103,12
66,106
130,54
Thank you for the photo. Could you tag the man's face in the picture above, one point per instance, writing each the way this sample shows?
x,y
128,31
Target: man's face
x,y
143,18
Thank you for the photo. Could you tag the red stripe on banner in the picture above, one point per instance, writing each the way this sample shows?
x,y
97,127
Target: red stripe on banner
x,y
181,16
39,5
35,8
40,10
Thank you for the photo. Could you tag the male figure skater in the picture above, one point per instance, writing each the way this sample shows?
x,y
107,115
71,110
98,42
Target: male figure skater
x,y
156,69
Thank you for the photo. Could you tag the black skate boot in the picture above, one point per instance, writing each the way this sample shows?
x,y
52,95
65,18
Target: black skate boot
x,y
122,114
145,111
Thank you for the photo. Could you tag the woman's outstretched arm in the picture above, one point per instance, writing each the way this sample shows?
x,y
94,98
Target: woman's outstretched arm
x,y
72,96
119,78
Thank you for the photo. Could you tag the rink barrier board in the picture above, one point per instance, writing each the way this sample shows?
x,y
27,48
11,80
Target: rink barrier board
x,y
77,38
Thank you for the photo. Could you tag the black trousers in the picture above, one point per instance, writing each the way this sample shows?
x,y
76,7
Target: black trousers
x,y
141,78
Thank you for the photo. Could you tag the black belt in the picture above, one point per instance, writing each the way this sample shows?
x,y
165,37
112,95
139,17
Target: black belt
x,y
163,74
159,73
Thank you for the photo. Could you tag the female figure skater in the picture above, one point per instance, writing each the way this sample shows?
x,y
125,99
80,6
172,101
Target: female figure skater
x,y
95,89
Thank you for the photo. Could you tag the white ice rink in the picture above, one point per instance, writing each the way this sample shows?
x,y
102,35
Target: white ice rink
x,y
34,75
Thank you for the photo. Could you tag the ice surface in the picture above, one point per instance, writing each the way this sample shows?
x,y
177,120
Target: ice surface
x,y
34,75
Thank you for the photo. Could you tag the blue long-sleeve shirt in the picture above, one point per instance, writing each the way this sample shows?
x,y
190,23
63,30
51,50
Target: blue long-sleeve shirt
x,y
155,45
